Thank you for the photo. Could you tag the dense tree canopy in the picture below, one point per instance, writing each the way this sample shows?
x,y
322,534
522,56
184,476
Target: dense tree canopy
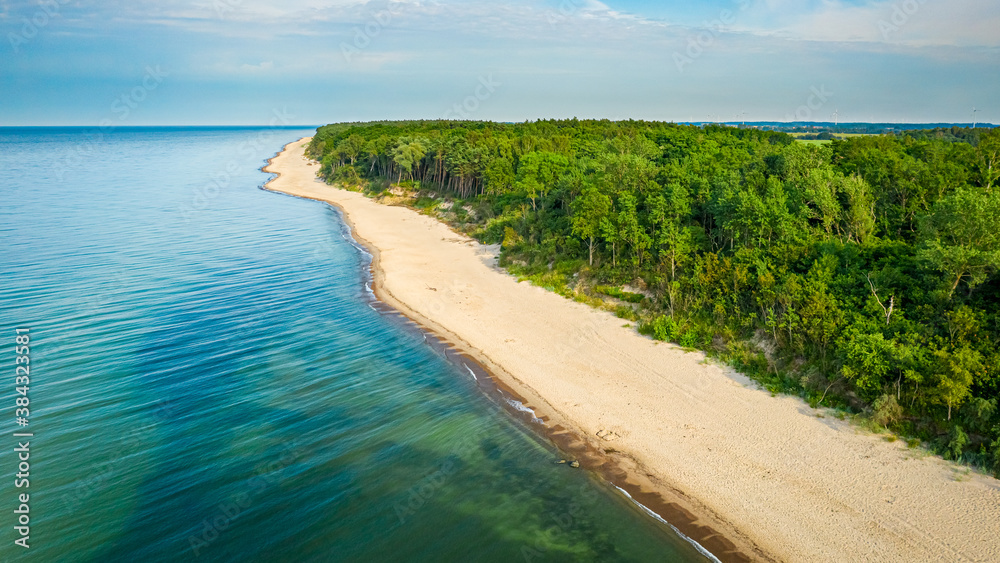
x,y
861,274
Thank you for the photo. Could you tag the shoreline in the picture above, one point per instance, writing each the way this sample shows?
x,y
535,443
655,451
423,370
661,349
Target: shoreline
x,y
772,489
666,505
566,441
506,398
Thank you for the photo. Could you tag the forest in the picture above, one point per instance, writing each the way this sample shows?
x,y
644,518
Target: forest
x,y
861,275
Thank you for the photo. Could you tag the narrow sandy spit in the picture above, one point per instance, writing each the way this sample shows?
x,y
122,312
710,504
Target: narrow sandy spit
x,y
762,477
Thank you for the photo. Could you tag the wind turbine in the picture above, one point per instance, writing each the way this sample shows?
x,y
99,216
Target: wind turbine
x,y
836,118
974,122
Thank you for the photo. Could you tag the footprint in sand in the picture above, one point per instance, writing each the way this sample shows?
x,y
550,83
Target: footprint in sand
x,y
607,435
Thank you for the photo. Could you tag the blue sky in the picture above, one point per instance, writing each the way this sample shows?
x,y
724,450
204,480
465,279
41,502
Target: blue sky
x,y
136,62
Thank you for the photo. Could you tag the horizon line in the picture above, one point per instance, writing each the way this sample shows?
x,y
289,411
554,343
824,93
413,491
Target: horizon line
x,y
970,125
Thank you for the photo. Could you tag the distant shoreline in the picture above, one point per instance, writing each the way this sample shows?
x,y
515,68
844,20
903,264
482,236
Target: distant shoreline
x,y
744,474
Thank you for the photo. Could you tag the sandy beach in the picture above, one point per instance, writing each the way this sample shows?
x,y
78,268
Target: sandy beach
x,y
748,475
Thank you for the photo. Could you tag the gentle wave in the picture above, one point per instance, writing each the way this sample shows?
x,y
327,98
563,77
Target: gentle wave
x,y
646,509
212,377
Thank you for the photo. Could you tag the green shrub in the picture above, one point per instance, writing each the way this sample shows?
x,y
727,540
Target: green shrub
x,y
996,458
626,312
957,440
662,328
493,231
425,203
619,294
689,339
886,410
510,238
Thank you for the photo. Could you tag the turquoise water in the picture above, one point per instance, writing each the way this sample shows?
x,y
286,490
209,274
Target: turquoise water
x,y
209,380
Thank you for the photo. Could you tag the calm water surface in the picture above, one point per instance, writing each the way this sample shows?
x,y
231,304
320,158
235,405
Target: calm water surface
x,y
209,380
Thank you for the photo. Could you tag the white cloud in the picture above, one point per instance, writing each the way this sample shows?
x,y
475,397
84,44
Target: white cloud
x,y
262,67
915,23
572,19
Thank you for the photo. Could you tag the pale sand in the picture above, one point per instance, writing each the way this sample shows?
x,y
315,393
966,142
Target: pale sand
x,y
764,471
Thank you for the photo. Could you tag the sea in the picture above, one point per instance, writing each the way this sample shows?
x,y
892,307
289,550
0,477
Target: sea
x,y
203,374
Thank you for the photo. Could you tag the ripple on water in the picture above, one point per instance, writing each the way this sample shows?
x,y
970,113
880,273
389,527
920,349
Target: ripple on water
x,y
209,376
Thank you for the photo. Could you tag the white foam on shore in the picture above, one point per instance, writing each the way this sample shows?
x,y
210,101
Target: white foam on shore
x,y
472,373
519,406
646,509
348,235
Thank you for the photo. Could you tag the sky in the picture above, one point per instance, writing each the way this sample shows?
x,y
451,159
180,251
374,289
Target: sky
x,y
254,62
